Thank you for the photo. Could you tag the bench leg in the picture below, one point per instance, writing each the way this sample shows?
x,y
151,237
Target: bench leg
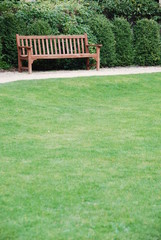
x,y
30,61
98,59
87,64
98,63
29,66
19,65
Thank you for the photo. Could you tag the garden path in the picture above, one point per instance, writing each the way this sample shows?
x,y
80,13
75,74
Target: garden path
x,y
8,76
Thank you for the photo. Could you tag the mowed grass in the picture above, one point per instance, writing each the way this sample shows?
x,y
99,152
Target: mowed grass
x,y
81,158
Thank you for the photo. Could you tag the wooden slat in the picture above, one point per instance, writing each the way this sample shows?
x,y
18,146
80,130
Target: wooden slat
x,y
78,45
39,46
67,46
35,47
59,46
27,43
86,43
56,37
43,46
47,46
51,45
63,46
23,50
56,52
75,49
31,46
71,47
82,44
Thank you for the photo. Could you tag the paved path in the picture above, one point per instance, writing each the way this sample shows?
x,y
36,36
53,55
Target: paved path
x,y
15,76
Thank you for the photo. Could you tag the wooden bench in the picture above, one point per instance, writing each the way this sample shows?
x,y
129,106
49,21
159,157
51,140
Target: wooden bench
x,y
32,48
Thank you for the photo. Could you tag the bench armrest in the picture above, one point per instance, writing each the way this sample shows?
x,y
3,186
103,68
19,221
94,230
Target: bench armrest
x,y
27,47
26,50
94,45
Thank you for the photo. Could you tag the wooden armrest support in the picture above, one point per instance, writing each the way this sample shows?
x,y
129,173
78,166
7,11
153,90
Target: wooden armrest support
x,y
27,47
94,45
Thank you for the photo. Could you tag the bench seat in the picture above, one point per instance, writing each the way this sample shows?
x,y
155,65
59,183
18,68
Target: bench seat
x,y
56,56
33,48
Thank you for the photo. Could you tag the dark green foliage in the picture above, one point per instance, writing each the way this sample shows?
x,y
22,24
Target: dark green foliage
x,y
70,18
45,19
74,17
132,10
0,53
147,42
124,42
39,27
0,50
3,64
11,26
101,28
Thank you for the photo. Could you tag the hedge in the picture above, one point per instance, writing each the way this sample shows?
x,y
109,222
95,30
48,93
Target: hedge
x,y
124,42
75,17
1,53
44,19
11,26
147,42
132,10
101,28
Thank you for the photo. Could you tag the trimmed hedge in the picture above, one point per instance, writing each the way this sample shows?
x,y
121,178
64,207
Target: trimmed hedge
x,y
147,43
124,42
132,10
11,26
0,49
75,17
44,19
101,28
3,64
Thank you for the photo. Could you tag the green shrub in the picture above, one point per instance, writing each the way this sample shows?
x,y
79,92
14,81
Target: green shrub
x,y
43,19
124,42
3,64
160,43
0,54
11,26
0,49
147,42
39,27
132,10
101,28
58,17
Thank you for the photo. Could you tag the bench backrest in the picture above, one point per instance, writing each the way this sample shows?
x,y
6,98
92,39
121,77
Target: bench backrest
x,y
53,45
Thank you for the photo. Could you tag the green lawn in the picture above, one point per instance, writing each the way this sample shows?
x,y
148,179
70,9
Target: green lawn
x,y
81,158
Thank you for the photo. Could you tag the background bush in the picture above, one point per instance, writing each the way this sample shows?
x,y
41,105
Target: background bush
x,y
147,42
43,19
1,62
132,10
39,27
101,28
76,17
11,26
124,42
